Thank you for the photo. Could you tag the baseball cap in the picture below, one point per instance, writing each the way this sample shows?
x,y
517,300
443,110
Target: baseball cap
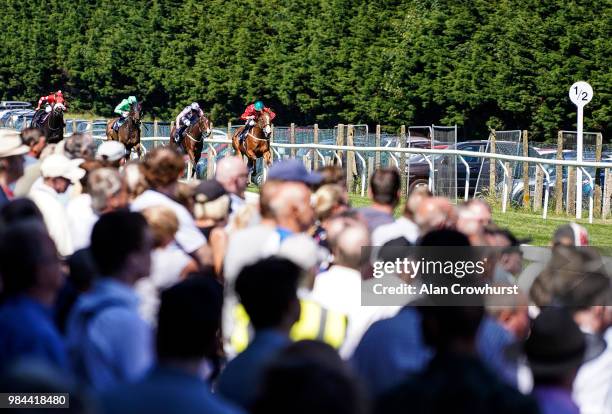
x,y
58,165
11,144
110,151
293,170
208,190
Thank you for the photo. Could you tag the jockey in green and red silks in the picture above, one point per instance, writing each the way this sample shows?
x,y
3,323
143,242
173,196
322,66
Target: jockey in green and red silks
x,y
251,115
123,110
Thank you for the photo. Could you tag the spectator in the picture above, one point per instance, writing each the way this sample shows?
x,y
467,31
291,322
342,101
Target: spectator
x,y
79,210
237,256
404,226
169,264
186,343
481,210
292,210
435,213
31,278
309,377
57,172
11,163
394,348
133,173
25,377
332,174
315,321
20,209
571,235
576,278
510,312
109,342
211,211
80,146
555,350
112,154
35,139
233,175
293,170
163,166
329,200
267,290
385,194
345,276
32,174
455,381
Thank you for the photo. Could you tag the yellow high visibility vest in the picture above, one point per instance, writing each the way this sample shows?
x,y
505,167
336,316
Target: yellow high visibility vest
x,y
315,322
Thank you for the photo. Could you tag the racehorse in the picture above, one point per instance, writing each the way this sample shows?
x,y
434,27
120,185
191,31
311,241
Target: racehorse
x,y
193,140
256,144
128,133
53,125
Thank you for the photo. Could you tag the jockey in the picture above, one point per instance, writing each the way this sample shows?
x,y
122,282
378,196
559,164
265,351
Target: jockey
x,y
183,120
251,115
48,102
123,110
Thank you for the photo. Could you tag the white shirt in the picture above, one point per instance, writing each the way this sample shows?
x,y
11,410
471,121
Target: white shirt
x,y
81,219
54,215
167,263
402,227
339,289
592,389
188,236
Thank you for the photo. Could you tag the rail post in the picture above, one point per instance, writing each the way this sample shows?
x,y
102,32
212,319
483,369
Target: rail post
x,y
402,164
292,139
377,154
559,176
492,165
525,170
350,159
315,140
597,193
340,141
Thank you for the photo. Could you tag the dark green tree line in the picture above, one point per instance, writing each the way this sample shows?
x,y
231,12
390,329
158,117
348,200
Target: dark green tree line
x,y
502,64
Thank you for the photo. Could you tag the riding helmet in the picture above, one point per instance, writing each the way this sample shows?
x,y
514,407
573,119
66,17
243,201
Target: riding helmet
x,y
259,106
195,106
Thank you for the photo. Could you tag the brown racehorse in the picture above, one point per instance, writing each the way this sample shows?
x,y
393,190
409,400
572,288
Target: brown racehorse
x,y
256,144
128,133
53,126
192,142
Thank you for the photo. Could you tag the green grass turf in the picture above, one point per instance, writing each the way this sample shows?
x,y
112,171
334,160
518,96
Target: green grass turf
x,y
525,224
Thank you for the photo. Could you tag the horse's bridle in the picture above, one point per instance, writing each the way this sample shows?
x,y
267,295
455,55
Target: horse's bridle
x,y
204,130
57,110
267,124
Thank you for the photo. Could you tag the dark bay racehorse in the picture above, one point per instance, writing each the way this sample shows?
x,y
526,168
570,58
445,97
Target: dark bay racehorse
x,y
128,133
53,125
193,140
256,144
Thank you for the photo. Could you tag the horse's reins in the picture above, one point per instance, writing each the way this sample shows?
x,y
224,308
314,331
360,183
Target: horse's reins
x,y
201,133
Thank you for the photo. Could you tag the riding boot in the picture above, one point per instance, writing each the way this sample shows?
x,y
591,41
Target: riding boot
x,y
179,135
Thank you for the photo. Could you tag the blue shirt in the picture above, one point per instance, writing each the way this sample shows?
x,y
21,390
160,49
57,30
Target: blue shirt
x,y
555,400
242,376
165,390
27,331
108,342
393,348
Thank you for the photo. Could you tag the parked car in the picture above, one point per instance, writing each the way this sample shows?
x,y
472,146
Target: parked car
x,y
15,105
418,168
516,194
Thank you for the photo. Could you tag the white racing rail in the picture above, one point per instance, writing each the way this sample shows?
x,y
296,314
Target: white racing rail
x,y
424,151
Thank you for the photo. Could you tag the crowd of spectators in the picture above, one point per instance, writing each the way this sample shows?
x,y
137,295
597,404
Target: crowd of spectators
x,y
136,292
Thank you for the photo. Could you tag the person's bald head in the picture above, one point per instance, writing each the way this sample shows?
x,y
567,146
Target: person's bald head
x,y
233,175
481,210
347,250
290,206
435,213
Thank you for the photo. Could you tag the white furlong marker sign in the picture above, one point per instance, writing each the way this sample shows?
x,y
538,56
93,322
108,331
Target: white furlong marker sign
x,y
581,94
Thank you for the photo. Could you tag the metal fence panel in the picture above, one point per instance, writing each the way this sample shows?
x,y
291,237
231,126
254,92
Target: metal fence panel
x,y
445,166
